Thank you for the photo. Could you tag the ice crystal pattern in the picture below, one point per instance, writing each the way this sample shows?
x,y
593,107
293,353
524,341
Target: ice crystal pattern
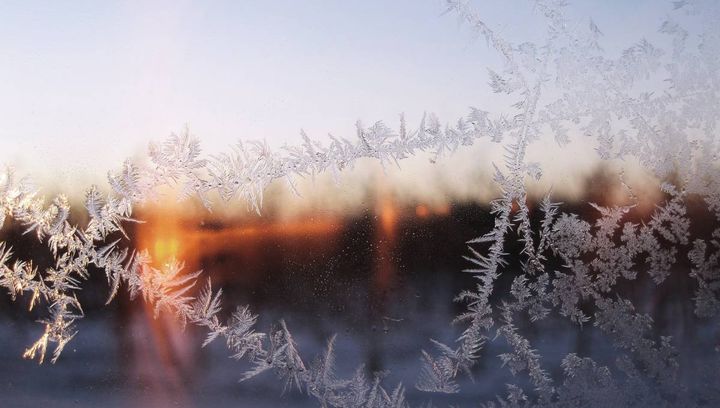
x,y
571,266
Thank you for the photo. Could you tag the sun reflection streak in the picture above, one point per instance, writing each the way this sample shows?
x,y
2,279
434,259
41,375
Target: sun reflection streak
x,y
169,356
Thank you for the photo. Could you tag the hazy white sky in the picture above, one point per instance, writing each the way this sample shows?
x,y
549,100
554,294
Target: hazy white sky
x,y
85,84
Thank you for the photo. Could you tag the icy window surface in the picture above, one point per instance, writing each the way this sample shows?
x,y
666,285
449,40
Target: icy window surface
x,y
607,300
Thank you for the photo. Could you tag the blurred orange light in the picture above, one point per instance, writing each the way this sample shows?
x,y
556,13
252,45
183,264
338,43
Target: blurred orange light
x,y
388,217
442,209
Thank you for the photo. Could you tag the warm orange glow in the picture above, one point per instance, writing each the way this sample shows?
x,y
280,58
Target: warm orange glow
x,y
284,229
424,211
442,209
388,217
171,232
385,240
166,248
162,235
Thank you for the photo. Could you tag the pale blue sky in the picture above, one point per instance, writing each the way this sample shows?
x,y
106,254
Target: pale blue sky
x,y
85,84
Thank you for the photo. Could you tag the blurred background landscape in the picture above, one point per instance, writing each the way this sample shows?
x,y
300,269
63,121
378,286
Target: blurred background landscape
x,y
381,274
375,257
